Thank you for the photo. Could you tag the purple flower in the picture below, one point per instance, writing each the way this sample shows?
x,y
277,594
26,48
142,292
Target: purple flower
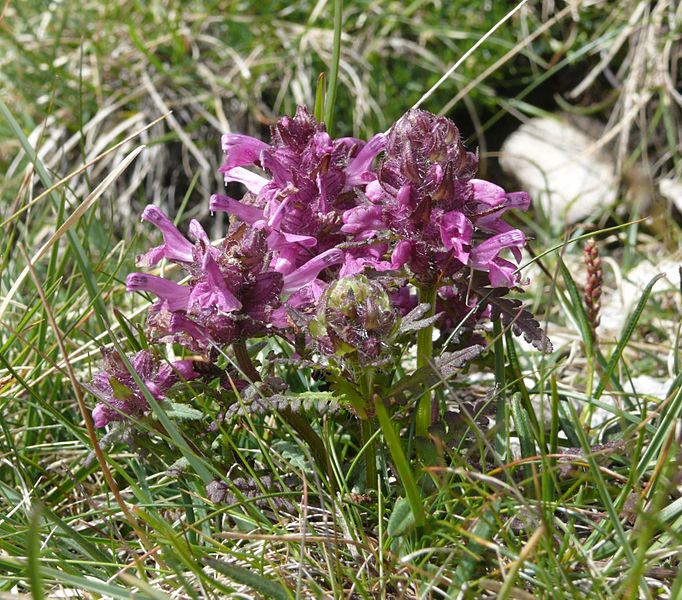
x,y
173,295
241,150
175,247
231,293
492,202
310,181
456,232
316,210
422,191
485,257
443,225
119,393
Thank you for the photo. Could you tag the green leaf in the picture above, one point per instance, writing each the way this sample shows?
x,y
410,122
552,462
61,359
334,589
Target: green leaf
x,y
306,399
484,529
443,368
523,430
97,586
262,585
578,310
602,489
347,393
183,412
130,336
418,318
501,426
401,520
401,463
625,338
121,391
334,67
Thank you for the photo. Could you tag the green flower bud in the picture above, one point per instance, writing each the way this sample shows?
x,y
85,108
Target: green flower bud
x,y
357,317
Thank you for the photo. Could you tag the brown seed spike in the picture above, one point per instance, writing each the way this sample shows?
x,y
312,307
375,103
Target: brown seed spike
x,y
593,285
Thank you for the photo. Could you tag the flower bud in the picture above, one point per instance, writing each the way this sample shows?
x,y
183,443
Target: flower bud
x,y
357,317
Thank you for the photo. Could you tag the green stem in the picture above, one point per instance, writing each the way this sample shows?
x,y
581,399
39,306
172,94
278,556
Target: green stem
x,y
297,422
501,433
367,431
334,67
424,356
401,464
244,361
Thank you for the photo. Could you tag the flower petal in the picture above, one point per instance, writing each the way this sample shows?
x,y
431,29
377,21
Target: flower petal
x,y
363,218
253,182
401,254
100,417
310,270
502,273
211,291
241,150
356,172
456,232
244,212
180,323
176,246
170,374
487,192
274,166
174,295
485,257
279,240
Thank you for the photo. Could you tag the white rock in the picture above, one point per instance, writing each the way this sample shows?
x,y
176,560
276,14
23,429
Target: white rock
x,y
644,385
618,304
561,168
671,189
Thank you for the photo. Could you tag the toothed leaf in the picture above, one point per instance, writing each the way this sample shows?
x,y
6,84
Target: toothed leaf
x,y
514,314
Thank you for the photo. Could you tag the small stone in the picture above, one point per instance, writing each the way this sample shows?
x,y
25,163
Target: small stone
x,y
562,169
671,189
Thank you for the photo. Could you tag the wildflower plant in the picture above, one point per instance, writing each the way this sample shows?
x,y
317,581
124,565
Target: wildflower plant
x,y
341,259
319,392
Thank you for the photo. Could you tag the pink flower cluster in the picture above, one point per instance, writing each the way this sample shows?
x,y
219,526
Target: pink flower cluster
x,y
404,204
119,393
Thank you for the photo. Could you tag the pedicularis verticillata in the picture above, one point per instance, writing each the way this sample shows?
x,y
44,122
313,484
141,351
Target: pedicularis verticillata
x,y
334,241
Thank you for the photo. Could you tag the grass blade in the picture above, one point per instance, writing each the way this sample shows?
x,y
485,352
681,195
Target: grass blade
x,y
266,587
33,565
319,99
401,464
625,338
334,68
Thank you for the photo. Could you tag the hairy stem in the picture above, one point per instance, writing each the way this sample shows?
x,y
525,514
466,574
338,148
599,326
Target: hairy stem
x,y
424,356
244,361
